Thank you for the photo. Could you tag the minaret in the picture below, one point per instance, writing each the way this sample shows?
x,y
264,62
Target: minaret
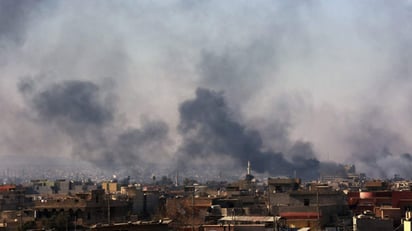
x,y
249,182
177,179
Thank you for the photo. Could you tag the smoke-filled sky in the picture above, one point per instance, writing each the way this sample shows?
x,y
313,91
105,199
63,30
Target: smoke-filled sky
x,y
289,85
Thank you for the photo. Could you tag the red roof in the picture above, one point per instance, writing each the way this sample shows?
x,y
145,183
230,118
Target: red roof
x,y
7,187
300,215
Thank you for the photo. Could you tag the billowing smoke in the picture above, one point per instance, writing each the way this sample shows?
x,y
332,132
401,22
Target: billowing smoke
x,y
293,86
376,147
75,102
15,16
80,110
143,148
209,129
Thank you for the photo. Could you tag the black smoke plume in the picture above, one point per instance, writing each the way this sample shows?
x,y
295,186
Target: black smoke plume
x,y
255,52
208,128
83,112
75,101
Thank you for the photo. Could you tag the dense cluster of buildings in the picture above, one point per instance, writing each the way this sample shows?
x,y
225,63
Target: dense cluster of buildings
x,y
332,203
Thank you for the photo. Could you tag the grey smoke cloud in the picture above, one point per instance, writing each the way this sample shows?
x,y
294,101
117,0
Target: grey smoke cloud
x,y
377,147
326,80
75,101
83,112
145,145
208,128
14,17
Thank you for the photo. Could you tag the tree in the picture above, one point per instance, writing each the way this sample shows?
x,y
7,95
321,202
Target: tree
x,y
183,212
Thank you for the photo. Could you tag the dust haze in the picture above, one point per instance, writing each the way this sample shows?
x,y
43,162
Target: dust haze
x,y
294,87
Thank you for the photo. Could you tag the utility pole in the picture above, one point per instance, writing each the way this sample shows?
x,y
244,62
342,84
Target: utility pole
x,y
193,208
108,209
269,205
21,222
317,205
20,215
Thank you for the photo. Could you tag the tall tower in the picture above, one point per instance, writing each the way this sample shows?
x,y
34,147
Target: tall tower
x,y
249,183
177,179
249,175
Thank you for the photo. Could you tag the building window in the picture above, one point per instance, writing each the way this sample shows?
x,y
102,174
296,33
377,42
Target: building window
x,y
306,202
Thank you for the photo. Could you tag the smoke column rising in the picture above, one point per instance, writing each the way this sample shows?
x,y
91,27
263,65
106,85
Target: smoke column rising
x,y
302,83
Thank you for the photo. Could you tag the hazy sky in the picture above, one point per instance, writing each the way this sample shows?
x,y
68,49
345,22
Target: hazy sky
x,y
143,80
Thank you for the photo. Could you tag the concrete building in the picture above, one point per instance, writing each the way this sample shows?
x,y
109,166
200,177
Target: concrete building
x,y
88,208
110,186
367,222
247,223
375,185
281,185
384,204
13,197
63,186
132,226
43,187
315,207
